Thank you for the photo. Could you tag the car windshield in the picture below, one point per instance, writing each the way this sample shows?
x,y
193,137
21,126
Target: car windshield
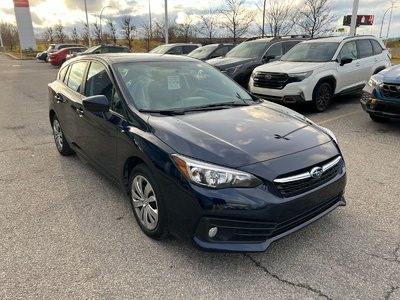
x,y
160,49
311,52
180,86
248,50
202,52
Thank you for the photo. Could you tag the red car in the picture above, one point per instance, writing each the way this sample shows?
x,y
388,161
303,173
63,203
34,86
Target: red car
x,y
59,57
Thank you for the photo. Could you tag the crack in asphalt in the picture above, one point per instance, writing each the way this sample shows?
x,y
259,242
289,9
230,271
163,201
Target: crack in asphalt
x,y
396,253
299,285
391,291
391,260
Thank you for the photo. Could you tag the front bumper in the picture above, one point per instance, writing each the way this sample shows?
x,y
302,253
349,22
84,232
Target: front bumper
x,y
249,219
373,103
291,93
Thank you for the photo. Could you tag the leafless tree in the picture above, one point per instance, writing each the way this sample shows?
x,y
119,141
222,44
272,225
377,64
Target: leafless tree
x,y
315,17
159,30
127,29
185,29
9,35
237,17
85,34
112,28
97,32
209,24
147,31
49,32
60,34
280,17
75,36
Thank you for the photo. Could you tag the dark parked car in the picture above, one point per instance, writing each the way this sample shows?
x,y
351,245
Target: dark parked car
x,y
211,51
99,49
381,96
198,155
175,49
41,55
240,62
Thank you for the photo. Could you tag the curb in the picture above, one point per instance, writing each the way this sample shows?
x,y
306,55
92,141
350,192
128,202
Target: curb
x,y
17,58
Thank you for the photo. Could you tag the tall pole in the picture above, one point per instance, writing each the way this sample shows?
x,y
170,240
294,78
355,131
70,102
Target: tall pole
x,y
151,31
88,26
354,18
390,19
383,19
263,22
1,42
166,21
101,31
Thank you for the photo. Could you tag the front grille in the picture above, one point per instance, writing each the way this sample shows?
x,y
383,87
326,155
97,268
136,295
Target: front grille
x,y
271,80
390,91
387,108
303,182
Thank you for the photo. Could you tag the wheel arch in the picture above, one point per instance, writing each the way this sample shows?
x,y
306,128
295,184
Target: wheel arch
x,y
52,113
129,164
377,70
331,80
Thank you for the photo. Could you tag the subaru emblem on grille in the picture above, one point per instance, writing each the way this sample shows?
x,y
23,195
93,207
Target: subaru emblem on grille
x,y
316,172
268,76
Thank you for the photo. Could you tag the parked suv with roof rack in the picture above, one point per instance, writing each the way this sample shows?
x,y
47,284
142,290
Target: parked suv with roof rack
x,y
316,70
241,60
175,49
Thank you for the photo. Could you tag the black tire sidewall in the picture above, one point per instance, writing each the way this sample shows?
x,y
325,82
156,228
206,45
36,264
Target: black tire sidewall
x,y
161,231
317,91
66,150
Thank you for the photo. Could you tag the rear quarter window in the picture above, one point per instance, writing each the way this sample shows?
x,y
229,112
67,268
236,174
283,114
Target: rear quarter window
x,y
364,48
376,47
61,74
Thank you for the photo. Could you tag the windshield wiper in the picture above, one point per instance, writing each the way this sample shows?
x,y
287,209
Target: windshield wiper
x,y
163,112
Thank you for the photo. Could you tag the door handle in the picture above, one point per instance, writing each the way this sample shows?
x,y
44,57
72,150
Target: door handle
x,y
80,112
357,64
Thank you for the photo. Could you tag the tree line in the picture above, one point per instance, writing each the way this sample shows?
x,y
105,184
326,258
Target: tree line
x,y
233,20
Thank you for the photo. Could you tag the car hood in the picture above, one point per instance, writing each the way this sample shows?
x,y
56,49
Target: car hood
x,y
226,62
238,136
390,75
289,67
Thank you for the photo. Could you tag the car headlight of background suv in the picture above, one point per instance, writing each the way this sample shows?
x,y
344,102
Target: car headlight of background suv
x,y
300,76
373,81
232,70
213,176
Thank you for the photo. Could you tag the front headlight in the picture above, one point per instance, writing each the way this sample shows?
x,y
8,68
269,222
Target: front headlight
x,y
300,76
373,82
232,70
213,176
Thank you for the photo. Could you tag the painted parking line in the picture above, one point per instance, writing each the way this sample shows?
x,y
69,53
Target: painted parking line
x,y
339,117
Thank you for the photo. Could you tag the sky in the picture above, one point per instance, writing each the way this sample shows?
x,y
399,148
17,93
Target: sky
x,y
70,13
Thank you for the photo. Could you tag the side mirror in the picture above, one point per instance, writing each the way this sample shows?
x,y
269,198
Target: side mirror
x,y
97,103
345,60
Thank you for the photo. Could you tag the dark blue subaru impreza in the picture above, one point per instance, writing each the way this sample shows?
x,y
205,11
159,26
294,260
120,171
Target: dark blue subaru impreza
x,y
198,155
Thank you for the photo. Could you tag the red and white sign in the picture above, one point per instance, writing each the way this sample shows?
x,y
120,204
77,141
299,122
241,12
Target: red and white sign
x,y
21,3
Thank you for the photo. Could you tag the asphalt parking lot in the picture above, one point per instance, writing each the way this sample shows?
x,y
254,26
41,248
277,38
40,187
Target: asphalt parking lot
x,y
67,232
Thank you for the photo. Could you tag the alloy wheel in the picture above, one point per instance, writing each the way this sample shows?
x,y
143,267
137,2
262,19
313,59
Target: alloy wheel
x,y
323,97
144,202
58,135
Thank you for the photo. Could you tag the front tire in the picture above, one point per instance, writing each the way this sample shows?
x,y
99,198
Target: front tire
x,y
147,203
378,119
322,96
59,138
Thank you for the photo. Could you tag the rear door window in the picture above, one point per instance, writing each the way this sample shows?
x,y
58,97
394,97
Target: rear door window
x,y
188,49
75,76
289,45
376,47
275,50
364,48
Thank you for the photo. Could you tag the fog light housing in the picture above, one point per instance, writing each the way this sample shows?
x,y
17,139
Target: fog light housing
x,y
213,232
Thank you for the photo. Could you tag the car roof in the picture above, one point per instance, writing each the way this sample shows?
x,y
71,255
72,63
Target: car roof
x,y
339,39
112,58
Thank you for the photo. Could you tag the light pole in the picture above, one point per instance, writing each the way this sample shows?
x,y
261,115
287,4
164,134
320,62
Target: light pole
x,y
101,33
383,19
166,21
390,18
88,26
1,42
263,22
151,32
354,18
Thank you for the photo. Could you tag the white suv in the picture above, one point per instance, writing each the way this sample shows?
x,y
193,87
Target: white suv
x,y
315,70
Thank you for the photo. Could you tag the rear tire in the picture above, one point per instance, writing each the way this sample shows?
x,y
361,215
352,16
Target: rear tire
x,y
59,138
147,203
322,96
378,119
